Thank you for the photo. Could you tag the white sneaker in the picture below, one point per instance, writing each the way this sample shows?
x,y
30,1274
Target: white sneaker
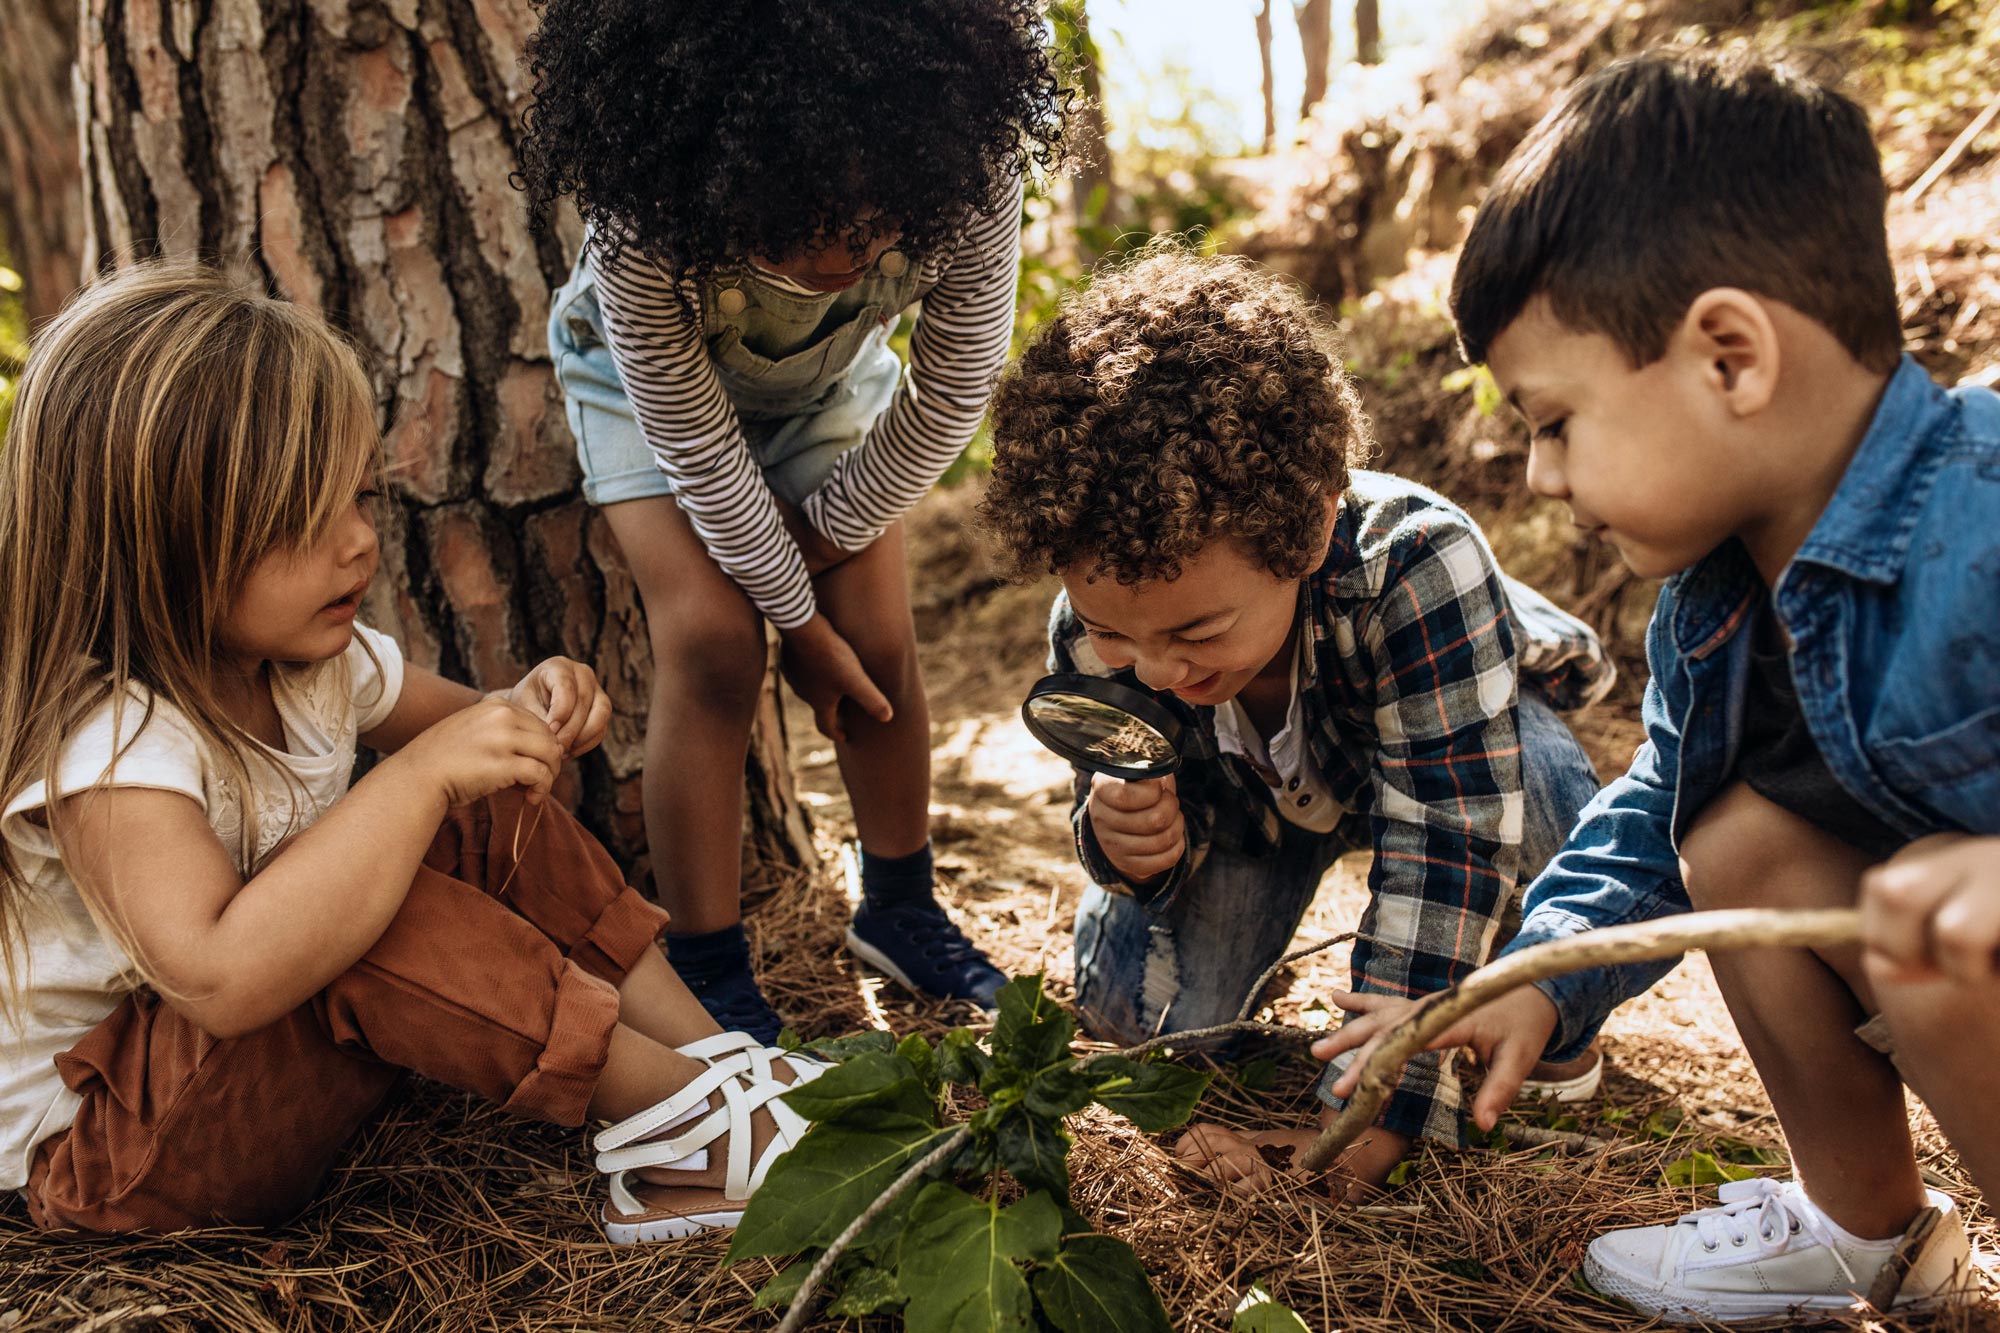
x,y
1768,1250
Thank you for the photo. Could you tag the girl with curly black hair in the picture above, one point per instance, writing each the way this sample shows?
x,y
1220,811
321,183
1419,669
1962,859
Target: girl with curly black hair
x,y
768,185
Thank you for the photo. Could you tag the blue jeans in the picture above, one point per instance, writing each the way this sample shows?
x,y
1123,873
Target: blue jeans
x,y
1138,975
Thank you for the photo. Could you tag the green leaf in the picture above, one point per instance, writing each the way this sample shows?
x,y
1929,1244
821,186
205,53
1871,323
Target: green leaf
x,y
1061,1090
1699,1168
788,1040
1664,1123
869,1091
858,1043
1260,1075
1259,1312
785,1285
959,1058
822,1184
869,1291
1032,1031
923,1059
1155,1097
1035,1151
1095,1284
1400,1173
961,1258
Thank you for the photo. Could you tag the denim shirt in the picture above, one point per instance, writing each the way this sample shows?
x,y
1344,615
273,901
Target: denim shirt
x,y
1893,607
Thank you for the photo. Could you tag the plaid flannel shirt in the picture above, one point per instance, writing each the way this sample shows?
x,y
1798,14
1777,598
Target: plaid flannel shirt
x,y
1416,645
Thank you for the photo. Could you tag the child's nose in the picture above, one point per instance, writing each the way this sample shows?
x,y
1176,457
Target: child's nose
x,y
1545,472
1157,672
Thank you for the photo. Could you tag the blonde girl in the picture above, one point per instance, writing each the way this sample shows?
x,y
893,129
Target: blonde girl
x,y
220,957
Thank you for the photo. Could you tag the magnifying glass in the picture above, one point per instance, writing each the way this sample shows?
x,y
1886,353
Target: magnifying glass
x,y
1104,726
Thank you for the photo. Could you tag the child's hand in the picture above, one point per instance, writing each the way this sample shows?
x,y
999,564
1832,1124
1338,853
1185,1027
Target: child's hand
x,y
1252,1162
823,670
566,695
1508,1035
477,751
1932,911
1138,824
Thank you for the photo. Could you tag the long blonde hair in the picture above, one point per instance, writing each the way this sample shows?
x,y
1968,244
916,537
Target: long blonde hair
x,y
170,430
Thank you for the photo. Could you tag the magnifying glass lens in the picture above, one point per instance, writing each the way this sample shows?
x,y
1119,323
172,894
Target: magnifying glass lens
x,y
1104,726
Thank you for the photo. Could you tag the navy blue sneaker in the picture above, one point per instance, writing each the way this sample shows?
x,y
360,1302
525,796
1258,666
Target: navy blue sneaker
x,y
733,1000
917,944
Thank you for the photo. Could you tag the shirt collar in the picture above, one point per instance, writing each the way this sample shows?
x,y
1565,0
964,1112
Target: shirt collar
x,y
1866,528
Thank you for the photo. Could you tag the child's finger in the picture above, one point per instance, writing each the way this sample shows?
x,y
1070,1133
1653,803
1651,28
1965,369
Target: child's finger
x,y
1350,1079
1896,906
1127,797
1511,1063
1361,1002
1967,934
868,698
594,724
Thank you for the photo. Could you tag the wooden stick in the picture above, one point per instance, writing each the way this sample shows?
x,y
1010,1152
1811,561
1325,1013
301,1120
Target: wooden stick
x,y
1747,928
1950,156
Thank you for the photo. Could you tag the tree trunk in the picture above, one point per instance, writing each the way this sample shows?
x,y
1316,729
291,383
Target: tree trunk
x,y
353,155
1315,20
1368,32
1270,83
1092,188
41,181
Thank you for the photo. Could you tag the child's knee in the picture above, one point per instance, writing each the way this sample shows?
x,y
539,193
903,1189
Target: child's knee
x,y
1745,851
716,657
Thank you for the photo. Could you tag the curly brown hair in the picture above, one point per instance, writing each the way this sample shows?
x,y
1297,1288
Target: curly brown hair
x,y
1174,399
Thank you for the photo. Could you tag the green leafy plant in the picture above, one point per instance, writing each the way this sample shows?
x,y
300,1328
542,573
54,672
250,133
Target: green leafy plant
x,y
946,1250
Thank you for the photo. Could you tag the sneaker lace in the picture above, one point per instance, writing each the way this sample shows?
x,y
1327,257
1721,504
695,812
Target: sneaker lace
x,y
926,926
1775,1211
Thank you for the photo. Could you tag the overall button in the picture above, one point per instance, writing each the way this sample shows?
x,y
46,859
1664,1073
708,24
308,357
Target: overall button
x,y
730,301
1293,785
893,264
1305,801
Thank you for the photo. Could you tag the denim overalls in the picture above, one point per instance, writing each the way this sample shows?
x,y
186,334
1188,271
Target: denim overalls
x,y
807,375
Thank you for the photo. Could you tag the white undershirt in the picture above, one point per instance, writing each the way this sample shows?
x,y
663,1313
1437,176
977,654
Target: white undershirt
x,y
1284,762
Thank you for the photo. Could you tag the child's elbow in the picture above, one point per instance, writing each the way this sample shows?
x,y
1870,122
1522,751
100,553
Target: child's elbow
x,y
224,1013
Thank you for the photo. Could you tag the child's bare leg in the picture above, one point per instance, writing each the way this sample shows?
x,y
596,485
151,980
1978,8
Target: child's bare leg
x,y
886,765
1839,1101
708,671
654,1002
1947,1037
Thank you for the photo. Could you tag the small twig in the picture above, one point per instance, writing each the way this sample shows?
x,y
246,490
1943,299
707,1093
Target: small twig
x,y
1264,979
1949,157
1748,928
1578,1145
802,1304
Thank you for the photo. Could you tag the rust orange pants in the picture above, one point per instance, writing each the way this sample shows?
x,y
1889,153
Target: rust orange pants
x,y
511,997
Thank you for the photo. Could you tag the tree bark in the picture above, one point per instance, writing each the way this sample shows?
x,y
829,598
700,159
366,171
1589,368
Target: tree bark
x,y
1092,187
1270,83
354,156
41,181
1368,32
1315,20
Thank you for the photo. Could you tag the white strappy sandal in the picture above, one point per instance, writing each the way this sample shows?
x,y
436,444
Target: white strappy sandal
x,y
744,1075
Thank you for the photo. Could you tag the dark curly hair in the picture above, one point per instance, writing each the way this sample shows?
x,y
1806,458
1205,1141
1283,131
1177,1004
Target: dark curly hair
x,y
700,134
1174,399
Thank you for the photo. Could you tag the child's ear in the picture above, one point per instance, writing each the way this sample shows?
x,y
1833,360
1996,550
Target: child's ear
x,y
1729,334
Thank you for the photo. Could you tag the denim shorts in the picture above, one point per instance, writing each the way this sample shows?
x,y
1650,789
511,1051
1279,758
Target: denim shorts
x,y
796,451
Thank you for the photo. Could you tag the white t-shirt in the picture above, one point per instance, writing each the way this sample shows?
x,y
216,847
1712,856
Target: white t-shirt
x,y
1285,762
74,974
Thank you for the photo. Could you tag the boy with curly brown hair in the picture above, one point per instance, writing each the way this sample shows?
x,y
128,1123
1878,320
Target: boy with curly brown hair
x,y
1353,670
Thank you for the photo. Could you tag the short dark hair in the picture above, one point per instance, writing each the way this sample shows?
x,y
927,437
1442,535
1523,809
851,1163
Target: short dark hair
x,y
1667,174
1173,400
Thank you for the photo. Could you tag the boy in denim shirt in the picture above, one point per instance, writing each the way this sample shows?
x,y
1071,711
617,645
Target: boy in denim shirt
x,y
1682,281
1352,670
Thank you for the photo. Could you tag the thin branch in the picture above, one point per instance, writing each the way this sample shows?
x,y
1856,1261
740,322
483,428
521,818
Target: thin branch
x,y
802,1304
1748,928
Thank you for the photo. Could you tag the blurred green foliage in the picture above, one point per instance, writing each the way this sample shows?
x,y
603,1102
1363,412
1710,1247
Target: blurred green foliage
x,y
13,336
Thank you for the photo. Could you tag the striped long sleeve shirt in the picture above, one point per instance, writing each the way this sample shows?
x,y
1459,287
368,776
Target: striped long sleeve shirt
x,y
956,350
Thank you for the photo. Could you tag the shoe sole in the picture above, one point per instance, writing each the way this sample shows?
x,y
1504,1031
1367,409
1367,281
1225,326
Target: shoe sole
x,y
678,1227
882,963
1616,1288
1579,1089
